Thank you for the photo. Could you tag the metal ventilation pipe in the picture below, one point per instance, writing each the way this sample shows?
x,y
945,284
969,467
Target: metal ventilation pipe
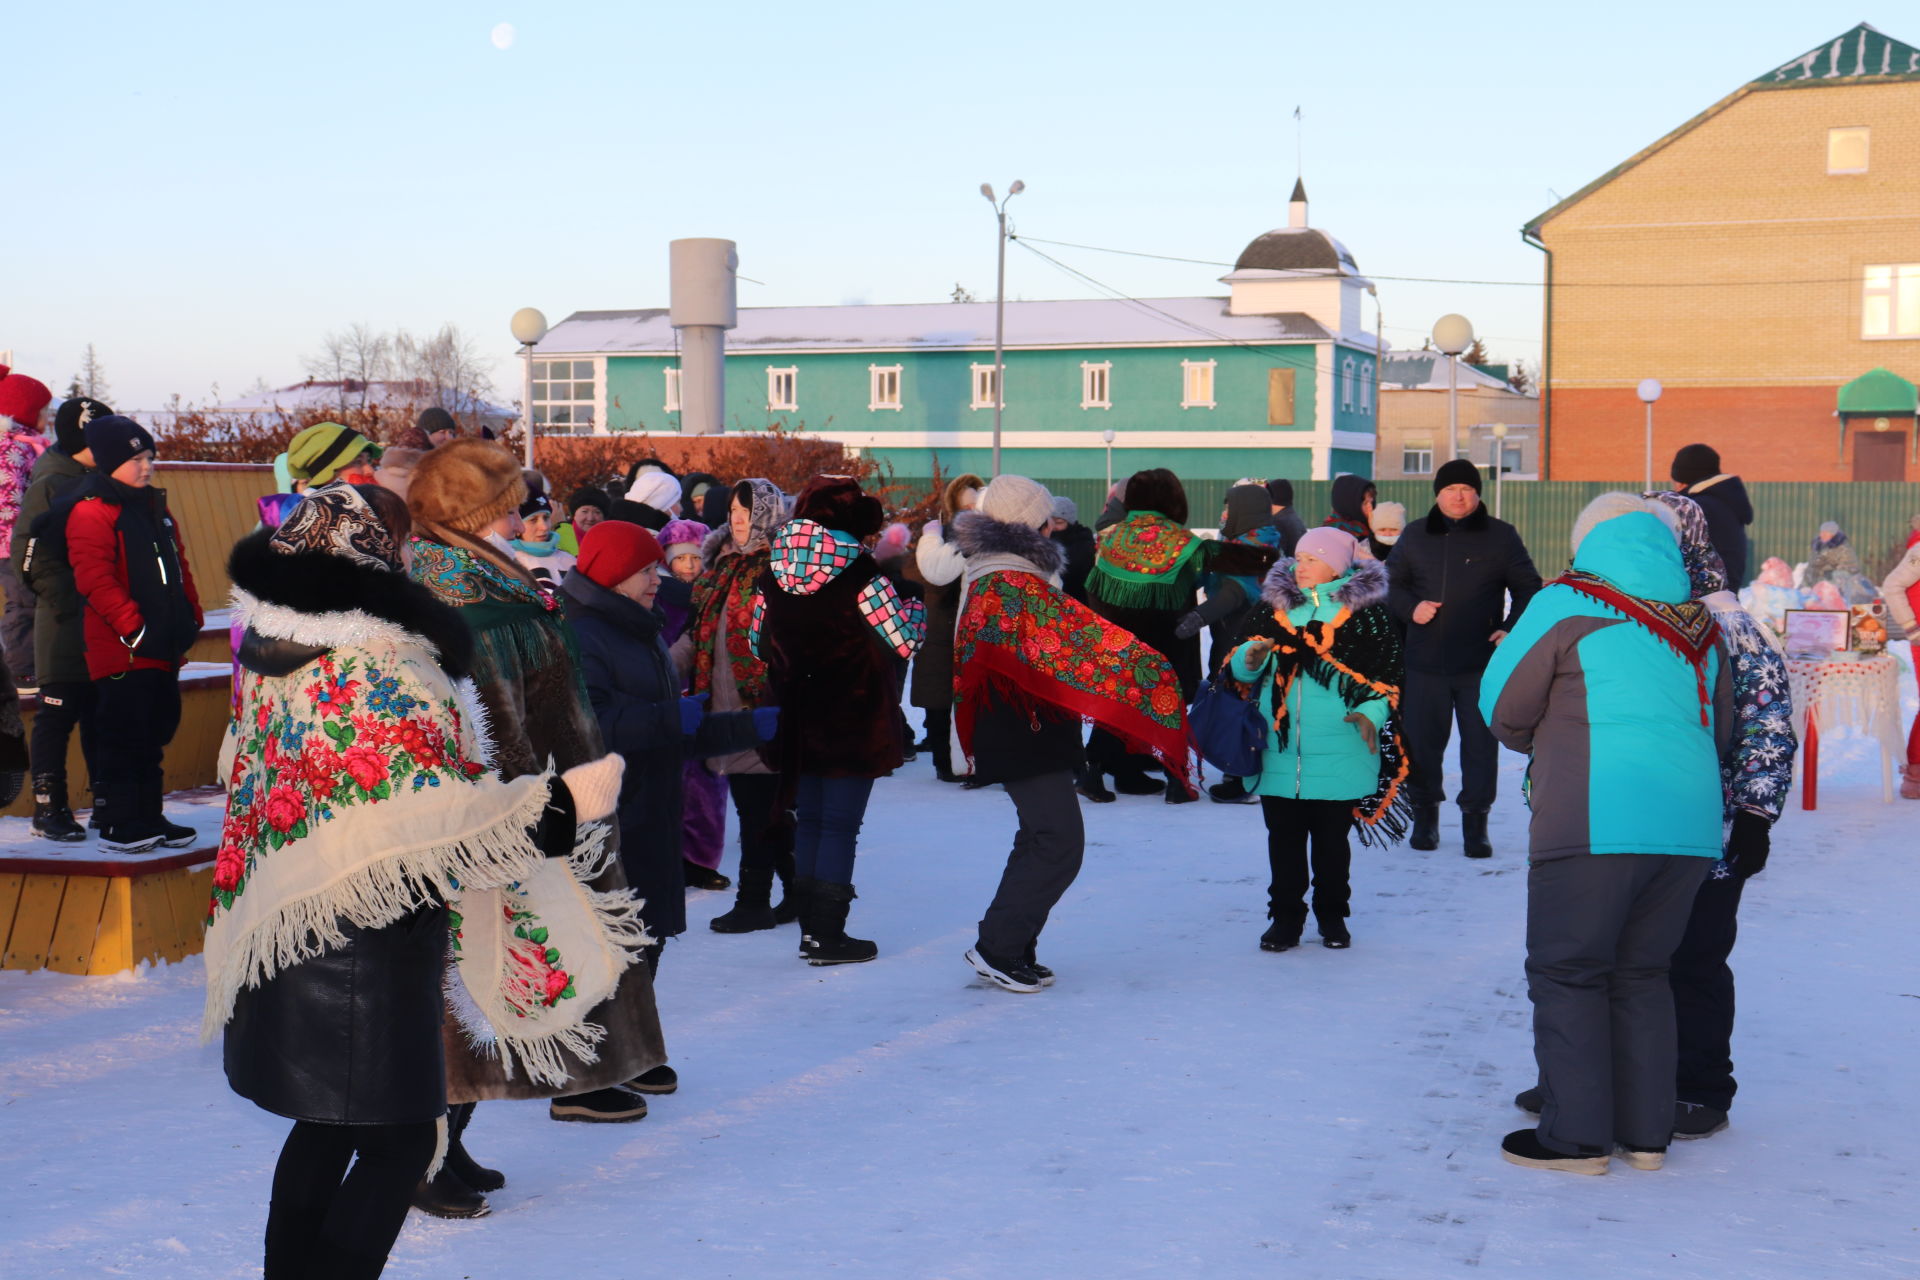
x,y
702,307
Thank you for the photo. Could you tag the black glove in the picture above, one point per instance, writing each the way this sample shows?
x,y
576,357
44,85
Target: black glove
x,y
1749,844
1189,625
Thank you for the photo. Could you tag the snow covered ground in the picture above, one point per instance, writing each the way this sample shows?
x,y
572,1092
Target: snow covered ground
x,y
1180,1104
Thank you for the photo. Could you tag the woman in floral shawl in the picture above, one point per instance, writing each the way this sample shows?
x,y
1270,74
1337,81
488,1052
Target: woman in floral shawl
x,y
1145,579
462,496
360,806
1031,662
715,649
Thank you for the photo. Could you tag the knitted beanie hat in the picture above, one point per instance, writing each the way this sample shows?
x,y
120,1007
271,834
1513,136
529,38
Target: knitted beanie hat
x,y
614,551
655,489
1458,471
1388,515
535,505
1066,509
1694,463
588,496
115,439
1280,492
318,453
465,485
1610,506
22,398
70,423
1332,547
682,537
1017,500
435,419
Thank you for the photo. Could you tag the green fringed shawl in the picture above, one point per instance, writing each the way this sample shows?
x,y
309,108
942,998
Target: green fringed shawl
x,y
1146,562
515,627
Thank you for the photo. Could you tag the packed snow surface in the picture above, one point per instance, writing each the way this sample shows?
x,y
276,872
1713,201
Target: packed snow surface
x,y
1180,1104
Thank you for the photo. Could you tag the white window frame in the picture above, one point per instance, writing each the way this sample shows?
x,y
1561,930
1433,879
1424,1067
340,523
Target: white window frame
x,y
671,402
1425,449
1096,384
985,382
1901,286
1836,136
1190,372
1347,366
579,411
1366,387
883,386
785,379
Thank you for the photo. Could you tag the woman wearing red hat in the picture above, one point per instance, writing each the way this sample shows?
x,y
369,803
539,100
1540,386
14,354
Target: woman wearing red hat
x,y
830,626
23,406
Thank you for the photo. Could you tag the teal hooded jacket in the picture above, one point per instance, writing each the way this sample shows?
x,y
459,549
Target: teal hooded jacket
x,y
1624,735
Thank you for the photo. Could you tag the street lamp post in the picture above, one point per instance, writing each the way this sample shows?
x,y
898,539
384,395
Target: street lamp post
x,y
1000,311
529,326
1649,391
1453,334
1107,435
1499,464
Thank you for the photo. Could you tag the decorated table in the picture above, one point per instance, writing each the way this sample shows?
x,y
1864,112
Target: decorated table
x,y
1847,690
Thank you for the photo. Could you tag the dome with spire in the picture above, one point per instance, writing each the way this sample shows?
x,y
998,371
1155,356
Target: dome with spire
x,y
1297,247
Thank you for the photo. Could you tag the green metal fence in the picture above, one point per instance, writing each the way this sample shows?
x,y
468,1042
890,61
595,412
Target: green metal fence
x,y
1875,516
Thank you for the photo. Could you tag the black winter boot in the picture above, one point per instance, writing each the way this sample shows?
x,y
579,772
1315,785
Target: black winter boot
x,y
52,819
464,1166
1426,828
1088,782
1131,780
751,904
823,925
787,910
97,820
172,834
1473,832
445,1196
1284,933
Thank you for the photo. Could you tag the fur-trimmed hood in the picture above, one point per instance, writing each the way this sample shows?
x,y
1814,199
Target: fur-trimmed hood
x,y
1364,585
977,535
326,600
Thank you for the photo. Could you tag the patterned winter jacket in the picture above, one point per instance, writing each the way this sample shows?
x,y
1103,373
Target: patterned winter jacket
x,y
19,450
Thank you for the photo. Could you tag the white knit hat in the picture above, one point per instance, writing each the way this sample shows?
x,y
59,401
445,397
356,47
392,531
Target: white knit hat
x,y
656,489
1016,500
1609,506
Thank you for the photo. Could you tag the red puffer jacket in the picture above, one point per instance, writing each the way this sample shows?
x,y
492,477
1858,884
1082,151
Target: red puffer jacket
x,y
130,566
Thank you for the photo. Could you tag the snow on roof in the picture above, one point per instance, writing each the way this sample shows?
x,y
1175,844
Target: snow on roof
x,y
318,394
946,326
1427,371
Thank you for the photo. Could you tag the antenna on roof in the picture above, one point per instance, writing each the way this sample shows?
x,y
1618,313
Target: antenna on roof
x,y
1299,149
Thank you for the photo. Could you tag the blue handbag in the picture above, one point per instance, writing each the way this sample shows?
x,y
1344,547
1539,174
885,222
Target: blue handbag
x,y
1227,730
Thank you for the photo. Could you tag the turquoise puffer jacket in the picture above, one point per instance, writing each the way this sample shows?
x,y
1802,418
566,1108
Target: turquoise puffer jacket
x,y
1324,758
1625,754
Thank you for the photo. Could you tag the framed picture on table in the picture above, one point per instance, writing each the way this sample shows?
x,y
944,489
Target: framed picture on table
x,y
1815,633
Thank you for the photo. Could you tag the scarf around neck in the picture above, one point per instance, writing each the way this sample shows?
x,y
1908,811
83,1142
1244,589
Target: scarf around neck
x,y
1144,563
1688,628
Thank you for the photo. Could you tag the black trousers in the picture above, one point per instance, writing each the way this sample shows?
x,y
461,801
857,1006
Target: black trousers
x,y
328,1221
1307,847
144,709
1703,995
1047,852
16,624
940,737
64,706
1432,705
1106,754
764,843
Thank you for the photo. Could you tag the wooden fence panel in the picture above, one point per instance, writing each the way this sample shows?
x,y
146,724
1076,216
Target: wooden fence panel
x,y
217,504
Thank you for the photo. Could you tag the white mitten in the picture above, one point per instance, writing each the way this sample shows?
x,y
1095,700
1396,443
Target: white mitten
x,y
596,786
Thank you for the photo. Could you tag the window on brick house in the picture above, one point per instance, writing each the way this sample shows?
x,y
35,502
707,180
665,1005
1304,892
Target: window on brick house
x,y
1416,457
1847,150
1890,301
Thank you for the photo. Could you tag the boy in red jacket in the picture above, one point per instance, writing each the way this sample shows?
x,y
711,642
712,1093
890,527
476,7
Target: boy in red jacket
x,y
141,616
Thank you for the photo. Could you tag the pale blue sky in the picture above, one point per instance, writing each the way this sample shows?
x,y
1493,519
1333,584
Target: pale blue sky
x,y
203,192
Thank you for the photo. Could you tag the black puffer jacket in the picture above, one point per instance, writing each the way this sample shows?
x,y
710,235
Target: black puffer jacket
x,y
636,695
1078,542
59,638
1724,501
1470,567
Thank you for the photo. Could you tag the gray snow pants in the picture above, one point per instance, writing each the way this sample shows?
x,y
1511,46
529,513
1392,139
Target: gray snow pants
x,y
1047,851
1601,931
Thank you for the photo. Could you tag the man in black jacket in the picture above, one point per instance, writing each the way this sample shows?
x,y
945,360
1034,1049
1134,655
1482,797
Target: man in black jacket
x,y
1077,540
1285,518
1723,499
1449,581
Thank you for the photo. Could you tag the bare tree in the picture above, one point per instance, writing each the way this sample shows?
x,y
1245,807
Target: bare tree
x,y
330,363
355,357
91,381
446,367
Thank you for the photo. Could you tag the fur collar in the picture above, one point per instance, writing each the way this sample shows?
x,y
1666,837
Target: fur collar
x,y
976,535
326,600
1437,523
1366,586
719,544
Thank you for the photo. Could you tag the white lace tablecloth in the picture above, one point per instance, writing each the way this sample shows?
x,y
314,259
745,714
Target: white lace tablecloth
x,y
1851,690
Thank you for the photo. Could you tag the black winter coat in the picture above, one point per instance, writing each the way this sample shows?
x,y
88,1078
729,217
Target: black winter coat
x,y
1729,511
636,695
59,637
1292,528
1470,567
1078,542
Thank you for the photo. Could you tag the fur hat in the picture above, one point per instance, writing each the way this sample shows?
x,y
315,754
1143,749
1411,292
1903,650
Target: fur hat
x,y
1456,471
22,398
70,423
465,485
1335,548
838,503
614,551
588,496
1017,500
1609,506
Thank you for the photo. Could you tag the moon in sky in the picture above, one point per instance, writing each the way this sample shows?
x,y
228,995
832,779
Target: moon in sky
x,y
503,35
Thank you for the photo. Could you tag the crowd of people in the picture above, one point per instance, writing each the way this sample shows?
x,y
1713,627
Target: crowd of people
x,y
485,741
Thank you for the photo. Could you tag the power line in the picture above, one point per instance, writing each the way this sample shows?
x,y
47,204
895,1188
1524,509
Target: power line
x,y
1514,284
